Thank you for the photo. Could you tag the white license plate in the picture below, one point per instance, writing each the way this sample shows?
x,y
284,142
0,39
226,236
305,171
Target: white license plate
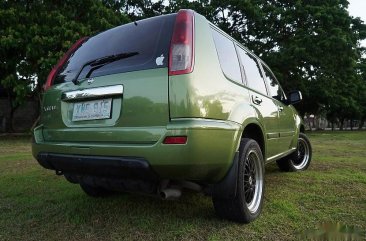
x,y
92,110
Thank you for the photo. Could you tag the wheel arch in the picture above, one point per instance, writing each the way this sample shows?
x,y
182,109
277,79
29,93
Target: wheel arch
x,y
302,128
254,130
226,188
251,119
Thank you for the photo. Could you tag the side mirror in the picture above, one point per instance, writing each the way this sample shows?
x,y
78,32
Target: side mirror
x,y
294,97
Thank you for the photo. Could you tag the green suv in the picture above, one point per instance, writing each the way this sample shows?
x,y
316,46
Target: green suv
x,y
166,104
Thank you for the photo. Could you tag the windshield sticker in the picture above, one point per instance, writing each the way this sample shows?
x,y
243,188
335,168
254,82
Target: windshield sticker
x,y
159,60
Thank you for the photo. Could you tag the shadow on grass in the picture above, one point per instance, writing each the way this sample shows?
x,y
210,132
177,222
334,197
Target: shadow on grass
x,y
191,206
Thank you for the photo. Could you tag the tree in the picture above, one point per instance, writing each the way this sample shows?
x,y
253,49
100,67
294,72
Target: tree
x,y
301,41
12,53
361,92
310,45
35,34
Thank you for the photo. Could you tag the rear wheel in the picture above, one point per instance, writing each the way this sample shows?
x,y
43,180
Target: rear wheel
x,y
300,159
248,202
94,191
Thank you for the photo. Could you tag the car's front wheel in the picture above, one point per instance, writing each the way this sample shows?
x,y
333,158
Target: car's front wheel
x,y
247,204
300,159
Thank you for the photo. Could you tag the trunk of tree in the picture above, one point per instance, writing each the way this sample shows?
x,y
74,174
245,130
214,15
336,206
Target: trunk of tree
x,y
9,115
341,122
316,127
309,122
332,123
362,122
351,124
9,120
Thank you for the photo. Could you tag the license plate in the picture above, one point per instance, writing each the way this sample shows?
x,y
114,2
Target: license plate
x,y
92,110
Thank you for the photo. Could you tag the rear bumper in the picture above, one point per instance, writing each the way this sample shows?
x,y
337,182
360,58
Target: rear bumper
x,y
127,167
207,156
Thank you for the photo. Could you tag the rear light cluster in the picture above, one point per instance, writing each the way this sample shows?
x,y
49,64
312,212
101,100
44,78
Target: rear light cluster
x,y
181,54
55,69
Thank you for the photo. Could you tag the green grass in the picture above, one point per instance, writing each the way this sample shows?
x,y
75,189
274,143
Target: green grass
x,y
35,204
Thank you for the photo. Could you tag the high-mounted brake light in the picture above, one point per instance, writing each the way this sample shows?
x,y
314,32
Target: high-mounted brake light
x,y
181,54
175,140
52,74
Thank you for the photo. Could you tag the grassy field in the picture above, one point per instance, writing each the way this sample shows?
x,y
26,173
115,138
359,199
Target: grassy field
x,y
35,204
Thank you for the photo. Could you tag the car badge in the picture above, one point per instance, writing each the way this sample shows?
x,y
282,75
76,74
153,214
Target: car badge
x,y
90,80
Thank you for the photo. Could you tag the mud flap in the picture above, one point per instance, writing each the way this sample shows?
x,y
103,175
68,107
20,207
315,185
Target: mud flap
x,y
227,187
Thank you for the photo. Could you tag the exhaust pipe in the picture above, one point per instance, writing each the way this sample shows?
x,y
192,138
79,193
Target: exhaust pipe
x,y
170,193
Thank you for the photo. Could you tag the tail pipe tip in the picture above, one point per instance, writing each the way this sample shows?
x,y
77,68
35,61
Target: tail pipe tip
x,y
170,193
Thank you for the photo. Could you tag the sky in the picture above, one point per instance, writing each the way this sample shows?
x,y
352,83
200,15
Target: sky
x,y
357,8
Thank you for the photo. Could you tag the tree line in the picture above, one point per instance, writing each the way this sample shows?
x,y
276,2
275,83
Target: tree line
x,y
312,45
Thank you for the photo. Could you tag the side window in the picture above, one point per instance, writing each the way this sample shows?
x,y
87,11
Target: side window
x,y
252,72
227,56
275,89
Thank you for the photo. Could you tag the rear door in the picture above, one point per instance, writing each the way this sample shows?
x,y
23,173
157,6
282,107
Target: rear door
x,y
266,107
114,88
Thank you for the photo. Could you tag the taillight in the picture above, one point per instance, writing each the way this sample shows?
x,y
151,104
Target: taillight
x,y
52,74
180,140
181,54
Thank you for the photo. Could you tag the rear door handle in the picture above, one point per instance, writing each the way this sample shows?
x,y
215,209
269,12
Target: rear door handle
x,y
280,108
256,100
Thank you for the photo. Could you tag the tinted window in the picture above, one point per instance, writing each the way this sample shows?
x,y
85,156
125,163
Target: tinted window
x,y
252,72
150,38
275,89
227,56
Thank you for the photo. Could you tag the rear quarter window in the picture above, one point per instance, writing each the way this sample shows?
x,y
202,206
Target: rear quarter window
x,y
150,38
227,56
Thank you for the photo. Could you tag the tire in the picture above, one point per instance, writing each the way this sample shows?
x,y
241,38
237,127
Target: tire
x,y
247,204
95,191
298,160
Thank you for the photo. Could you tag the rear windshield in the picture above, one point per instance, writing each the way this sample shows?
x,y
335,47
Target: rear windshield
x,y
149,39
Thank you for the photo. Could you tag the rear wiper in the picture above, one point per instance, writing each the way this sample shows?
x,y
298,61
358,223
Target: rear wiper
x,y
100,62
